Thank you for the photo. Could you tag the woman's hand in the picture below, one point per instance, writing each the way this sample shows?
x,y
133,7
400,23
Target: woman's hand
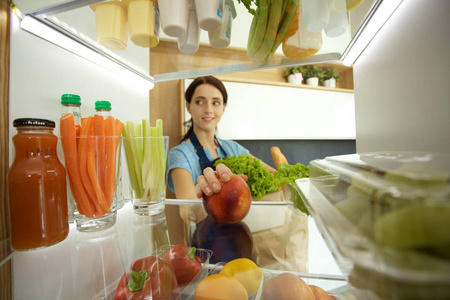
x,y
209,183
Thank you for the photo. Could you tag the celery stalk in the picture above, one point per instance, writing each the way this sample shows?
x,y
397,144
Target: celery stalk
x,y
131,146
157,168
146,158
290,8
275,13
262,15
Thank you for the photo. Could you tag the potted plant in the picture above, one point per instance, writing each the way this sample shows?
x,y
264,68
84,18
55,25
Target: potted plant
x,y
312,75
330,75
294,74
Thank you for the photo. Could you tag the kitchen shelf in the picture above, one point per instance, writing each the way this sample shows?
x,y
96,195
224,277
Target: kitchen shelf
x,y
285,84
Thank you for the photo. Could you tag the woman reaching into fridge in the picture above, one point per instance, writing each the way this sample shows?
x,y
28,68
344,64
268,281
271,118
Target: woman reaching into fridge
x,y
206,100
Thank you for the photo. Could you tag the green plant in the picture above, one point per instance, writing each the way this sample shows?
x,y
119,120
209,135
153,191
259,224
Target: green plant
x,y
313,71
293,70
331,72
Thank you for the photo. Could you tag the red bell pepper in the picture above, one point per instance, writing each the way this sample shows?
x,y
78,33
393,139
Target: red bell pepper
x,y
186,265
148,278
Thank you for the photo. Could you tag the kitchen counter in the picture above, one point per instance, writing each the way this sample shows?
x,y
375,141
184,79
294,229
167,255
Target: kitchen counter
x,y
88,265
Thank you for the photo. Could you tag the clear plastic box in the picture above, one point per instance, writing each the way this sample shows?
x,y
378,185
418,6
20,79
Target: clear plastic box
x,y
386,218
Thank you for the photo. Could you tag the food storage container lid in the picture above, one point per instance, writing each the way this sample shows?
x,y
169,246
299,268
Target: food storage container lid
x,y
33,122
102,104
70,99
412,166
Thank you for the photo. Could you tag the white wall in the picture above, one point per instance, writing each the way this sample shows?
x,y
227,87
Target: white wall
x,y
401,82
41,72
267,112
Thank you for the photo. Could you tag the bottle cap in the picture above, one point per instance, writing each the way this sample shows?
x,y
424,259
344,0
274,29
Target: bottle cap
x,y
102,104
70,99
33,122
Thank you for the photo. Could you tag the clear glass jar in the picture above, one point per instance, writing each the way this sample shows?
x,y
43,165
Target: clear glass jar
x,y
36,187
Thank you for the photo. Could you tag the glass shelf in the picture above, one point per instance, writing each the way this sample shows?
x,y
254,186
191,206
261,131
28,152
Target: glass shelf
x,y
88,265
76,20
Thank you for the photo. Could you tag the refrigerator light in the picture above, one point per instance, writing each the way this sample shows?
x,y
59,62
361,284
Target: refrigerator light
x,y
379,16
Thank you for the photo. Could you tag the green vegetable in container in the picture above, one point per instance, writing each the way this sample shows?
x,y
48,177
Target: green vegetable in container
x,y
146,158
270,23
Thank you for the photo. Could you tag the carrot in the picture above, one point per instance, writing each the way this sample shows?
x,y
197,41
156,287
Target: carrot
x,y
99,146
111,142
78,131
83,149
92,171
69,144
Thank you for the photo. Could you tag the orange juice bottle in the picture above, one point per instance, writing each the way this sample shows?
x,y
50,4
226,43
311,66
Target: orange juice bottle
x,y
299,42
36,187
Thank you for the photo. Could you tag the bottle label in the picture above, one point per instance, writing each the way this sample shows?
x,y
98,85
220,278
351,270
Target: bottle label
x,y
220,9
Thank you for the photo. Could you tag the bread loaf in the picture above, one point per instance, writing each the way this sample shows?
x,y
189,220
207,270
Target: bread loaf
x,y
278,157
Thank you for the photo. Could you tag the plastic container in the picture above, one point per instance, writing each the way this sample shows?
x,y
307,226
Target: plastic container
x,y
71,103
340,6
386,218
338,24
316,14
221,37
144,23
174,16
111,21
299,42
36,187
189,42
209,13
103,108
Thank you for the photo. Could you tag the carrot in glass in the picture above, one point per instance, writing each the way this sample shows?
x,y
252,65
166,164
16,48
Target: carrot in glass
x,y
83,149
69,144
112,139
99,145
92,171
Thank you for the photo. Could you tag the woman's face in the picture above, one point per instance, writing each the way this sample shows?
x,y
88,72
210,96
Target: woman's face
x,y
206,107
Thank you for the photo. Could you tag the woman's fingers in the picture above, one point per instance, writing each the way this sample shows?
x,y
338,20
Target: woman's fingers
x,y
209,183
224,172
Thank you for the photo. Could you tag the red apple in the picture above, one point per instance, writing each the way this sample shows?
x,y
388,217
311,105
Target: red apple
x,y
319,292
232,203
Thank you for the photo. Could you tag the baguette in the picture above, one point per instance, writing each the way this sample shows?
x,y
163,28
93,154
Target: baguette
x,y
278,157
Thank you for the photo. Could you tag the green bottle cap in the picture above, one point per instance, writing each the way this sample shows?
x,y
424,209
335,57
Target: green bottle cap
x,y
102,104
70,99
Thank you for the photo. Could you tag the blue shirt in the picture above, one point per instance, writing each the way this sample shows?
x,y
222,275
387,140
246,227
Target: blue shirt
x,y
183,156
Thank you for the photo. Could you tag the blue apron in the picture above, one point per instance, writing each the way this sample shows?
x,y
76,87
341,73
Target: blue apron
x,y
203,159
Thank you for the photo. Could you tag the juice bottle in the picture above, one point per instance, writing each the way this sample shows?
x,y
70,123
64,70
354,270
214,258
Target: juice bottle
x,y
36,187
299,42
103,108
71,103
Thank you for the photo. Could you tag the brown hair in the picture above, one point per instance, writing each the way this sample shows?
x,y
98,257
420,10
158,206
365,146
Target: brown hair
x,y
190,91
